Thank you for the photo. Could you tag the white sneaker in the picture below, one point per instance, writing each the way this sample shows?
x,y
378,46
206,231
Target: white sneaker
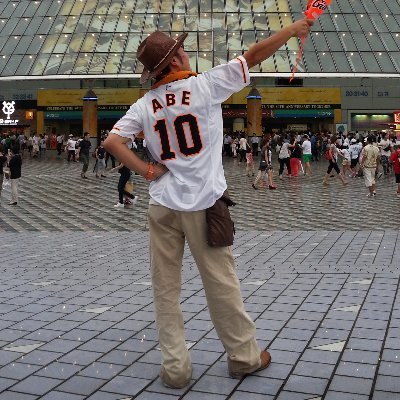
x,y
119,205
134,200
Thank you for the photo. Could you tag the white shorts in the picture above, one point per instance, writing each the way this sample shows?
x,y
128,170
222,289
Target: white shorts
x,y
369,176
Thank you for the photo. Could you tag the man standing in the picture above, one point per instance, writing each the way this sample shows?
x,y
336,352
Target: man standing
x,y
307,154
181,119
255,140
15,165
60,141
84,146
369,162
385,147
227,144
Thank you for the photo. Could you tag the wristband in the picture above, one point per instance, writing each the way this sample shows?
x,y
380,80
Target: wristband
x,y
150,172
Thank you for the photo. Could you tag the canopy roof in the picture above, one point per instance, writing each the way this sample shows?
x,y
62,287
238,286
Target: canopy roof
x,y
54,39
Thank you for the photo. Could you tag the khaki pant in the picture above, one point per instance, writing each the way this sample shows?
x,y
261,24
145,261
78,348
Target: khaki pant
x,y
168,230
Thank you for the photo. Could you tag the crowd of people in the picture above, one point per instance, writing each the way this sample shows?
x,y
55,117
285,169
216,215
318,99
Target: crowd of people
x,y
352,155
349,156
76,149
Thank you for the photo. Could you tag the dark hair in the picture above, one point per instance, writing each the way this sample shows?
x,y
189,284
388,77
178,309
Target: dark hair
x,y
167,69
15,150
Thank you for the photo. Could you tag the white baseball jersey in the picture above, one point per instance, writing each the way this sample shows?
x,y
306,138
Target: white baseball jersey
x,y
183,127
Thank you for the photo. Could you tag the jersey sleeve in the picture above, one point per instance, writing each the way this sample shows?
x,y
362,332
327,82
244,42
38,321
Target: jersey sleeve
x,y
227,79
130,124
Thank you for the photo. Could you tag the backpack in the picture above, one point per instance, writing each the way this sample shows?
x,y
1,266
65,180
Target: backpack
x,y
328,155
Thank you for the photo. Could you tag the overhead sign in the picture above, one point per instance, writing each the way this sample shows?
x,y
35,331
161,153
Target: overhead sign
x,y
8,110
397,117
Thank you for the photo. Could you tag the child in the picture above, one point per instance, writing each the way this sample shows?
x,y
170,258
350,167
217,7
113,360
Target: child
x,y
395,161
249,161
346,161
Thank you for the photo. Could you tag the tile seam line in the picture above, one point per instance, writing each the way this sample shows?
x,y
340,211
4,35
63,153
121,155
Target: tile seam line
x,y
384,340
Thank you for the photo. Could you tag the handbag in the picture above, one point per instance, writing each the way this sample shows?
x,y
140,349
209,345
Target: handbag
x,y
129,186
7,172
220,227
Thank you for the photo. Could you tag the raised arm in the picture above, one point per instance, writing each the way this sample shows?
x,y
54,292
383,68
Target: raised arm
x,y
262,50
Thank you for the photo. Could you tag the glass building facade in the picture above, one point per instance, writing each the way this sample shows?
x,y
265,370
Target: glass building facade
x,y
76,38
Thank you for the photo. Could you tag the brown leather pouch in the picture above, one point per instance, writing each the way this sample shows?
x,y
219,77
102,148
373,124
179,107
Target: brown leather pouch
x,y
220,227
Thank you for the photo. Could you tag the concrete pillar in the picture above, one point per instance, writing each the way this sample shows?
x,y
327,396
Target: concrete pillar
x,y
238,124
254,113
39,122
90,113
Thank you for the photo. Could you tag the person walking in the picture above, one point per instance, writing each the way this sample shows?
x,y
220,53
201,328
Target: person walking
x,y
265,168
369,162
307,154
346,162
84,151
255,142
249,162
295,157
36,146
182,104
243,146
385,147
395,161
354,151
284,157
43,146
3,161
331,154
100,154
125,175
71,148
30,146
15,165
60,142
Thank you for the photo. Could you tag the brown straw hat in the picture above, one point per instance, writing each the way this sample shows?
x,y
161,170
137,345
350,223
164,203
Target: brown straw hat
x,y
156,52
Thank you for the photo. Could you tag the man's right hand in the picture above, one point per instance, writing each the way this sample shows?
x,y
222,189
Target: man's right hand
x,y
159,170
266,48
302,27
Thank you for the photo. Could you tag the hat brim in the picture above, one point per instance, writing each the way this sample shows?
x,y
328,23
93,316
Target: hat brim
x,y
147,75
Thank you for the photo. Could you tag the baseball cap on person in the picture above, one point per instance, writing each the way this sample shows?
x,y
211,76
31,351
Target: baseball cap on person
x,y
353,141
156,52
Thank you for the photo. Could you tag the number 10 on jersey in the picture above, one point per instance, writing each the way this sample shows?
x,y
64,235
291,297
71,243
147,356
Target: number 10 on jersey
x,y
182,124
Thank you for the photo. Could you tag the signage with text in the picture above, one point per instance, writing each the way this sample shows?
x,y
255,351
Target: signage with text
x,y
300,106
8,110
80,108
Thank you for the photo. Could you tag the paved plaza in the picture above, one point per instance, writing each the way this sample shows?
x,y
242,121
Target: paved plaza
x,y
319,272
53,197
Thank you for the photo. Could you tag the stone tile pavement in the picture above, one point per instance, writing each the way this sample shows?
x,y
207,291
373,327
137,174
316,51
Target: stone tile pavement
x,y
76,317
319,271
53,197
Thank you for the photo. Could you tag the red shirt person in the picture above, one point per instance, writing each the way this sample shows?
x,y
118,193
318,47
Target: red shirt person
x,y
395,160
